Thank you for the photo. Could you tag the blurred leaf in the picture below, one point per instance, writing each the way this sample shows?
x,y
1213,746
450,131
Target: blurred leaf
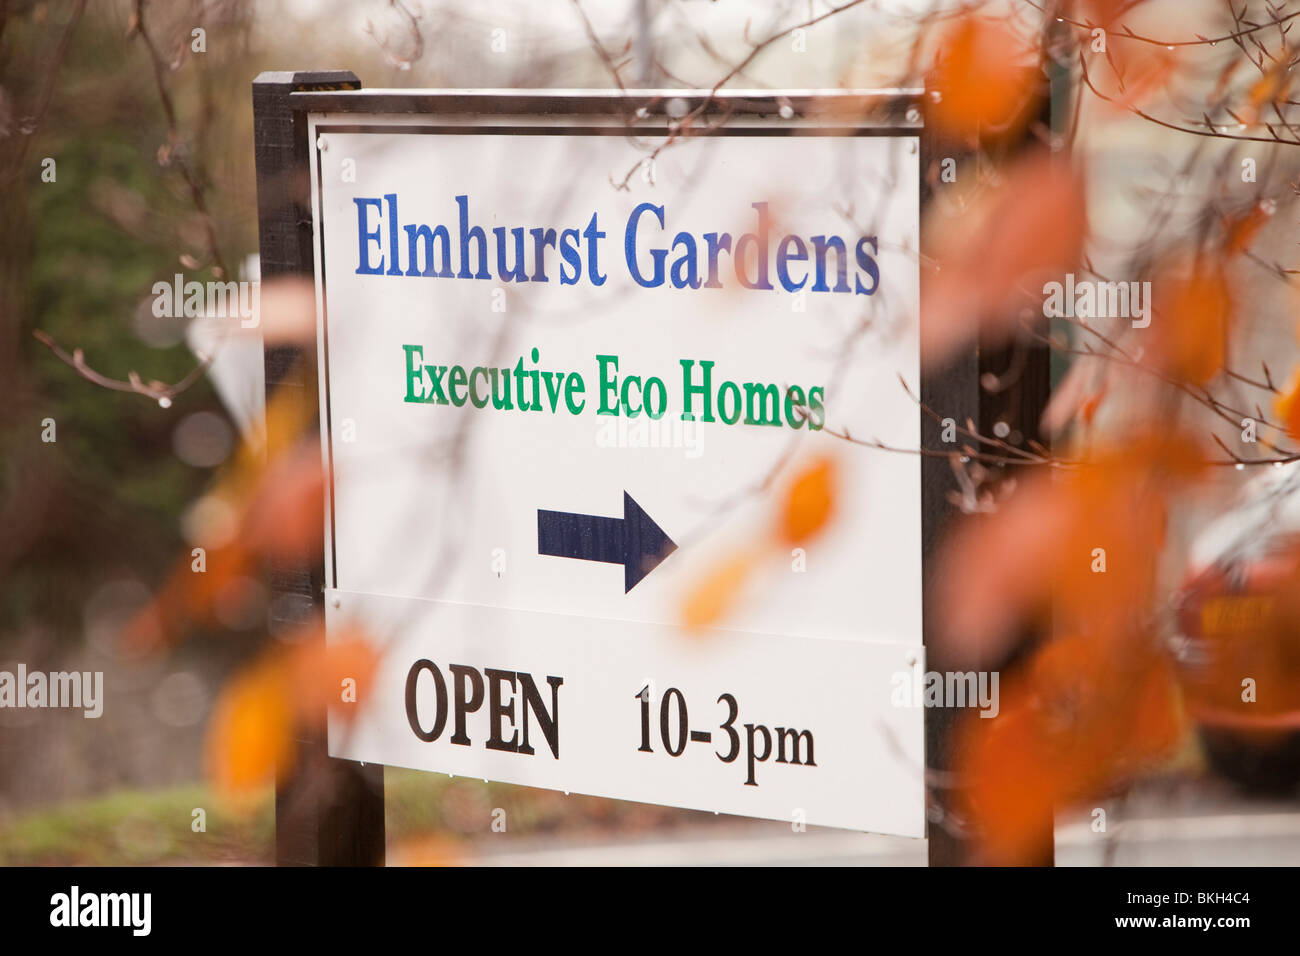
x,y
1142,72
1087,716
252,730
983,83
809,503
1192,310
1240,230
279,515
317,671
1083,544
250,734
717,592
286,515
1270,91
1287,407
994,258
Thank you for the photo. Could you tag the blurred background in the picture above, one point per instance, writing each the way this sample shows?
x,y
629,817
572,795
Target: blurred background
x,y
149,127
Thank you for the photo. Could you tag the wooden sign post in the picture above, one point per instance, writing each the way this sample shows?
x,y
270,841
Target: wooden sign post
x,y
328,812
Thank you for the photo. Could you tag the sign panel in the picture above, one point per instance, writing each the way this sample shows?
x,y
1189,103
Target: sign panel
x,y
560,384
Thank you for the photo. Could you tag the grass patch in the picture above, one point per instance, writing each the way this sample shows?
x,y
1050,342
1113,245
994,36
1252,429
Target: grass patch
x,y
140,828
154,827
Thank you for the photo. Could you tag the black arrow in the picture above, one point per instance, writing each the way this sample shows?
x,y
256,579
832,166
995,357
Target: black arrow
x,y
633,540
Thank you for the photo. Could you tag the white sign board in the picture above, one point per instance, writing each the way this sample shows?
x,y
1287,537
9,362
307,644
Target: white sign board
x,y
551,404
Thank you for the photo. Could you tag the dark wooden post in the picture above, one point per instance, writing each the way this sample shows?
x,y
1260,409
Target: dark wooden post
x,y
328,812
957,392
1022,371
953,392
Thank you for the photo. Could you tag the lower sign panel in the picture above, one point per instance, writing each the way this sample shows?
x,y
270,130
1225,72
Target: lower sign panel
x,y
741,723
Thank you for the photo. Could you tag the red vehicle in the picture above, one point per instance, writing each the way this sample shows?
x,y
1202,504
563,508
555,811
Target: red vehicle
x,y
1237,645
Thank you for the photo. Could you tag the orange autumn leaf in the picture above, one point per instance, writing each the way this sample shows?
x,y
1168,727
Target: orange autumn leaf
x,y
804,511
1287,408
288,418
1269,91
1112,708
993,260
1081,547
1192,312
318,671
1088,410
272,506
997,571
1102,12
809,503
251,732
188,599
1011,783
1140,72
717,592
1085,716
286,515
1240,230
282,518
1126,72
1156,726
983,82
1092,690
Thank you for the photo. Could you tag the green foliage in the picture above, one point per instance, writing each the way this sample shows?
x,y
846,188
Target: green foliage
x,y
104,499
137,828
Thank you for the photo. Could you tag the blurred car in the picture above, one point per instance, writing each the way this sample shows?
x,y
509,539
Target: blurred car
x,y
1237,641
